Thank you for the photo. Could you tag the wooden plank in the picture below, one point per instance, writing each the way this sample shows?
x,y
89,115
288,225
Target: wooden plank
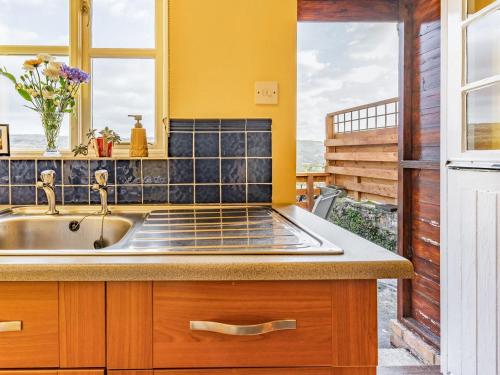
x,y
129,325
376,189
406,56
82,324
369,137
363,156
347,10
383,174
304,191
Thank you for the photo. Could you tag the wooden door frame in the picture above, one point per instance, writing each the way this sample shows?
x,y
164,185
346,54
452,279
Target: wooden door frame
x,y
348,10
406,166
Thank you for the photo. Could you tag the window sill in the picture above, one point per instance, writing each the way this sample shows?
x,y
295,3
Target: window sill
x,y
119,153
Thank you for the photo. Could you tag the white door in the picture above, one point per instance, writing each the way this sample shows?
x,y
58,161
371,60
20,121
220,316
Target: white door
x,y
470,188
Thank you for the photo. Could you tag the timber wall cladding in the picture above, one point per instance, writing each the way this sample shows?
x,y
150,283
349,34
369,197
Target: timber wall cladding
x,y
419,153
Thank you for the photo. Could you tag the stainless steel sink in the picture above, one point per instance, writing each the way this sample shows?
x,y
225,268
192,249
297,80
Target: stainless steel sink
x,y
149,230
39,232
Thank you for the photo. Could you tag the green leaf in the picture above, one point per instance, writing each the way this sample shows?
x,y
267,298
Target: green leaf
x,y
25,95
8,75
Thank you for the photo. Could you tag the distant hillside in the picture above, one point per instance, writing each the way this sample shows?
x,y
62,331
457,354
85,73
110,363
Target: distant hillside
x,y
310,156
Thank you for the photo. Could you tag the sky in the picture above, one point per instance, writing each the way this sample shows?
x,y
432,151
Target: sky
x,y
120,87
342,65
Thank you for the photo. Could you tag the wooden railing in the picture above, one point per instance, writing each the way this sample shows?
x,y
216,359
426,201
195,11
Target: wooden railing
x,y
308,184
361,150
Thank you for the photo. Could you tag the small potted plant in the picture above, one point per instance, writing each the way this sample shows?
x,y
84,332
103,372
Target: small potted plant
x,y
102,144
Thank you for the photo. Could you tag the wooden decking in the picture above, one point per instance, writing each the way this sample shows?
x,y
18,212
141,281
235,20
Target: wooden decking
x,y
412,370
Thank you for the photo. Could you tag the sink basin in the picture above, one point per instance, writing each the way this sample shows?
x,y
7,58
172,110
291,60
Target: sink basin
x,y
44,232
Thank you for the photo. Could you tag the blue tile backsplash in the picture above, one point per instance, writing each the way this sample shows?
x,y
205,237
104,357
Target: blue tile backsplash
x,y
210,161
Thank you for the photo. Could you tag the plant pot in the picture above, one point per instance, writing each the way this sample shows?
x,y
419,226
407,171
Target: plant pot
x,y
104,149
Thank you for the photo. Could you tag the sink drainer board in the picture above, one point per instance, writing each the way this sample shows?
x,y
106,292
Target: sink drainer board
x,y
173,231
251,230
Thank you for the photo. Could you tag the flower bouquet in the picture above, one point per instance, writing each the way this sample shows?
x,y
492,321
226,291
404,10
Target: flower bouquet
x,y
50,87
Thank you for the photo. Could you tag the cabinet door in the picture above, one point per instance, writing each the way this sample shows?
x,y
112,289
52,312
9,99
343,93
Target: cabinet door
x,y
189,316
129,325
29,325
82,324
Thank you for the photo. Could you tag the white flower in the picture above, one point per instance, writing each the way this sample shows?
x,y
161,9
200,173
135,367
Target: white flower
x,y
45,57
48,94
53,70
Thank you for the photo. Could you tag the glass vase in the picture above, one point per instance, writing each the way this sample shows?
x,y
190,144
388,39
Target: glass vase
x,y
51,122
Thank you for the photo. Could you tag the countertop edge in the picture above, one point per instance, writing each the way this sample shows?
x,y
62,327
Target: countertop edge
x,y
362,260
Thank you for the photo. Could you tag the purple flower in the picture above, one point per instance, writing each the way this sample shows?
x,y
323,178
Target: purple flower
x,y
74,75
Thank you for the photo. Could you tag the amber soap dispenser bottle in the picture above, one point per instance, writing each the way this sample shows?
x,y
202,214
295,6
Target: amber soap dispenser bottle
x,y
138,139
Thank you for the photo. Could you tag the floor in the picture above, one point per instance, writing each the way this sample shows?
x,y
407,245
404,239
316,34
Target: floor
x,y
387,303
409,370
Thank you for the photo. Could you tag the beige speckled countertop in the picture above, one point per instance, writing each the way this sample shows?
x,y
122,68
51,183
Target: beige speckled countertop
x,y
361,260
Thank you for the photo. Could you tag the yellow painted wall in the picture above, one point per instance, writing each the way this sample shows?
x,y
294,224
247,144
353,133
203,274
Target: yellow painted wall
x,y
218,49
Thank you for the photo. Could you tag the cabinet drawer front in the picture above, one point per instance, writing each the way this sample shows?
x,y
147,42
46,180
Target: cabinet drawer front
x,y
263,371
29,317
245,324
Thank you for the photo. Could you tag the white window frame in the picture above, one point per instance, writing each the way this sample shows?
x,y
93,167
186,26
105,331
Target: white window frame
x,y
456,86
80,53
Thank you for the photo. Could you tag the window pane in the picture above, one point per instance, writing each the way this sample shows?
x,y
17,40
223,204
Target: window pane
x,y
474,6
483,118
30,22
132,23
26,131
122,87
483,49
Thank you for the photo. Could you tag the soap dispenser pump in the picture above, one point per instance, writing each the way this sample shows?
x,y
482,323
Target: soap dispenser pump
x,y
138,139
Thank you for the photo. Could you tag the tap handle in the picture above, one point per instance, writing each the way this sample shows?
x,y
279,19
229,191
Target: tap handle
x,y
101,177
48,177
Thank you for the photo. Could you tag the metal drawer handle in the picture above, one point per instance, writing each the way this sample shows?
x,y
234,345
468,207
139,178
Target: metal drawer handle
x,y
243,330
13,326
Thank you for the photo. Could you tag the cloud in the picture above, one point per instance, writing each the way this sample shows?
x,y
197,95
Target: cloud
x,y
308,60
364,74
342,65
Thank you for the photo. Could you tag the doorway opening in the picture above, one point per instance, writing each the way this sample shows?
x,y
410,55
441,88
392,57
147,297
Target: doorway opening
x,y
348,113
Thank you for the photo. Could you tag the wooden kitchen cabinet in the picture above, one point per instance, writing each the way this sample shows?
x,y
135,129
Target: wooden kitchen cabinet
x,y
181,328
58,325
29,332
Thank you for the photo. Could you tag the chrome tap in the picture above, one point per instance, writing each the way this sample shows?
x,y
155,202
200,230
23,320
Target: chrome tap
x,y
46,183
101,185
